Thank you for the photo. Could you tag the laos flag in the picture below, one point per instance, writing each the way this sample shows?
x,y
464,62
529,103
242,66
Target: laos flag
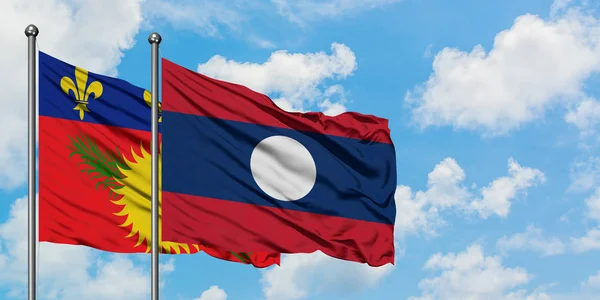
x,y
240,173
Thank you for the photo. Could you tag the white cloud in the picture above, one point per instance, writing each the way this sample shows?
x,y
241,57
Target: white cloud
x,y
589,242
427,53
287,105
117,278
66,271
496,197
420,211
593,282
210,17
524,295
91,34
293,80
204,16
535,65
593,206
303,274
559,6
586,116
585,174
213,293
168,266
533,240
588,291
472,275
331,109
301,11
261,42
164,268
333,104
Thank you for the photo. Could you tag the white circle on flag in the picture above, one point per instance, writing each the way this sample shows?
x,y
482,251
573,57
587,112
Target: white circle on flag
x,y
283,168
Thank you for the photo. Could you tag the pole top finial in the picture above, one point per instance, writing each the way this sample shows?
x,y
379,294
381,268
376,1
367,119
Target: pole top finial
x,y
154,38
31,30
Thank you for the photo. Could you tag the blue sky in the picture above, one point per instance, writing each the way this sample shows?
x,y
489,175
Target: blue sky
x,y
493,111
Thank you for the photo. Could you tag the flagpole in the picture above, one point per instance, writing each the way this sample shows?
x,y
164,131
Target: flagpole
x,y
31,32
154,39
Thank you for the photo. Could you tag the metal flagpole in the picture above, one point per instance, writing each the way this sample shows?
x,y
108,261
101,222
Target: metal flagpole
x,y
31,32
154,39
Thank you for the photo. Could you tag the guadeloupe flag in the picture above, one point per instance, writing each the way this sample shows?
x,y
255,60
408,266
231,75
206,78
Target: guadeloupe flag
x,y
94,165
240,173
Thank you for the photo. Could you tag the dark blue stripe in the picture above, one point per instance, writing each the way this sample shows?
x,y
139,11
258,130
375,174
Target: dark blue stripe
x,y
121,103
210,157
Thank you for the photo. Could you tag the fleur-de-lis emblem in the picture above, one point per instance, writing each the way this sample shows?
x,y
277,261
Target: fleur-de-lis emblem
x,y
81,90
148,99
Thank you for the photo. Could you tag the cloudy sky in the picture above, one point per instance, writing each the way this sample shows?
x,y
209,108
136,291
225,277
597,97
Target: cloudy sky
x,y
493,110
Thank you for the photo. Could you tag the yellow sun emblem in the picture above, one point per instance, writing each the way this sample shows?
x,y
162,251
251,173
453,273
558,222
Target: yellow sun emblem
x,y
136,202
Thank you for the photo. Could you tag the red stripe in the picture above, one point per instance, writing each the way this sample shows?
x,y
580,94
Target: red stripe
x,y
189,92
72,209
231,225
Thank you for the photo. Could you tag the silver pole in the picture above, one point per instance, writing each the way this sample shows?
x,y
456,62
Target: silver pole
x,y
31,32
154,39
